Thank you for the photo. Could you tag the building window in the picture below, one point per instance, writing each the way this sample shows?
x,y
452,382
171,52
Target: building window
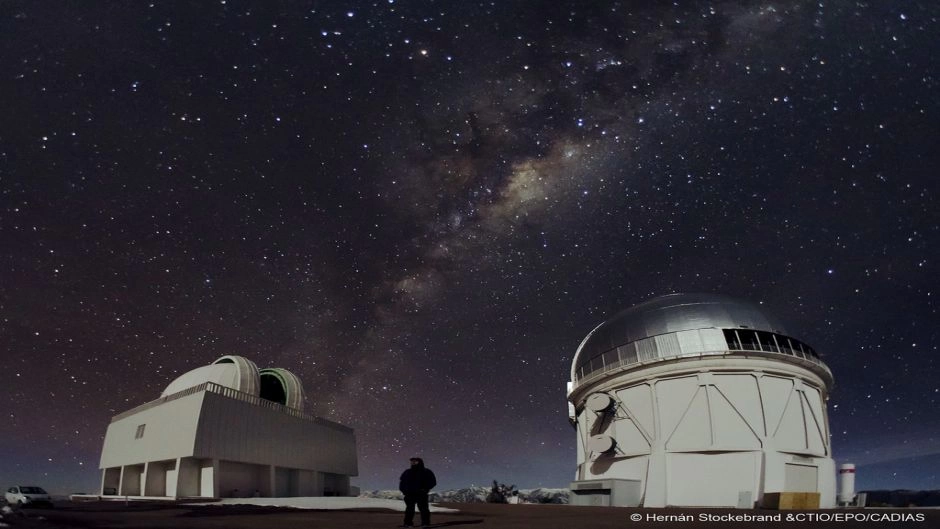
x,y
140,431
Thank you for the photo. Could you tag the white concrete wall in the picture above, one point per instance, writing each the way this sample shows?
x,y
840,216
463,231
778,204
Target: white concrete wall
x,y
711,479
209,479
222,444
169,433
699,435
172,481
233,430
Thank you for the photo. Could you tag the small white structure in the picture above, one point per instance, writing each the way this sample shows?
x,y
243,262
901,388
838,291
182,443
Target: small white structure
x,y
698,400
223,430
846,483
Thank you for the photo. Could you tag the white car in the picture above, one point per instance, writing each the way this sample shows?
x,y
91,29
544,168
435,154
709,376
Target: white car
x,y
23,496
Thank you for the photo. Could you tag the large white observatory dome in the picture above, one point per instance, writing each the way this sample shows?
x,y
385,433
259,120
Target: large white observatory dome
x,y
686,325
240,374
699,400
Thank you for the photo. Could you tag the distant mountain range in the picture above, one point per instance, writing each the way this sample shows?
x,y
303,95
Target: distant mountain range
x,y
903,498
477,495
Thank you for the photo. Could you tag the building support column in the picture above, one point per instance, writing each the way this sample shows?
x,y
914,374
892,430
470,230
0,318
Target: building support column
x,y
120,489
143,479
216,481
175,493
269,490
656,493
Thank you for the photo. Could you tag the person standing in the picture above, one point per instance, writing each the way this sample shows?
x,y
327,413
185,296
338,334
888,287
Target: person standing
x,y
415,483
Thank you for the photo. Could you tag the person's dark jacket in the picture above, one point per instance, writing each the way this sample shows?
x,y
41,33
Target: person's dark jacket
x,y
417,480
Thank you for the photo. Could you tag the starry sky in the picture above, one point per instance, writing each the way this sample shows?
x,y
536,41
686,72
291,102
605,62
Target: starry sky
x,y
421,208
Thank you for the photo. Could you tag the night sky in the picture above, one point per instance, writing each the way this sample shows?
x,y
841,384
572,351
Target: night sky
x,y
421,208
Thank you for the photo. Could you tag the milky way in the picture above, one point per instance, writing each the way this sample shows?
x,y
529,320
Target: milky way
x,y
422,208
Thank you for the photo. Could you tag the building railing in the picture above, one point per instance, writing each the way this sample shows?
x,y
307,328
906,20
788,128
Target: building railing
x,y
231,393
167,398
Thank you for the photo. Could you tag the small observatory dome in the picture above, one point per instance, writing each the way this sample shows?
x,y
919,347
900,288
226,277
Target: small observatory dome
x,y
283,387
236,372
274,384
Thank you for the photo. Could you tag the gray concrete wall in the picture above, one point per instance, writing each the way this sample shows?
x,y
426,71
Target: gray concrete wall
x,y
132,479
157,474
234,430
187,480
240,480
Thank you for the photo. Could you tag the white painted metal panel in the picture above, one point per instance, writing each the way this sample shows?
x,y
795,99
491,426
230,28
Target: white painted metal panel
x,y
667,345
790,433
710,480
630,441
713,340
637,402
626,468
729,429
646,350
741,391
774,393
690,342
673,397
814,435
800,478
694,429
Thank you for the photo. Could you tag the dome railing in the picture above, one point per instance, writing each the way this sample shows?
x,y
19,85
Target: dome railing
x,y
632,362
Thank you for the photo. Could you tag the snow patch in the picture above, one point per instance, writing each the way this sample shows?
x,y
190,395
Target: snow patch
x,y
324,503
479,494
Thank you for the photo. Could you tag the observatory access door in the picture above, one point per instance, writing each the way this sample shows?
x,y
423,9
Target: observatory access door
x,y
800,478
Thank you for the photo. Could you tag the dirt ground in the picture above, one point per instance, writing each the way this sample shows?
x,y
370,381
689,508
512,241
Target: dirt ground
x,y
162,515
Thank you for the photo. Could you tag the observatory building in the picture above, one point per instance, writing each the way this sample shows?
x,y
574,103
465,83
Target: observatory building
x,y
227,429
698,400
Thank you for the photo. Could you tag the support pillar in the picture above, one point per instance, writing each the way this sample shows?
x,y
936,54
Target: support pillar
x,y
270,484
143,479
216,479
656,493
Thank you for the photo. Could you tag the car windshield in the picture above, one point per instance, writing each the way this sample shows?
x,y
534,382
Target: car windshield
x,y
32,490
